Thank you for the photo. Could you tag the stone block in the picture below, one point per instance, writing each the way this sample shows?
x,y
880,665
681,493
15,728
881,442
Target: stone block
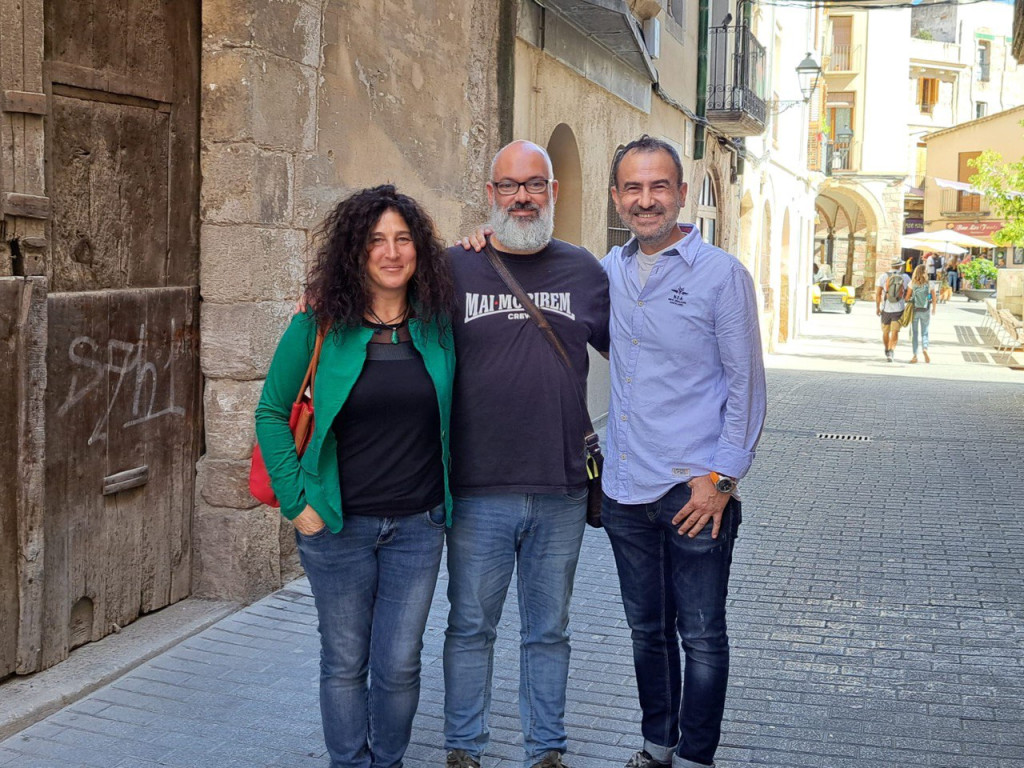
x,y
287,28
245,184
235,552
228,407
243,262
291,568
225,483
249,95
237,341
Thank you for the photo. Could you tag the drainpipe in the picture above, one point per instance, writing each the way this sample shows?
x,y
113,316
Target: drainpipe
x,y
702,78
506,66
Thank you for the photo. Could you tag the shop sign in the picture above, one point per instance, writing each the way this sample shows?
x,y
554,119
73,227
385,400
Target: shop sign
x,y
976,228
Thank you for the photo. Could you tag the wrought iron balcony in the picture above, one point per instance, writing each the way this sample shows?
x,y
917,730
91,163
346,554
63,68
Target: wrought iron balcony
x,y
956,204
735,95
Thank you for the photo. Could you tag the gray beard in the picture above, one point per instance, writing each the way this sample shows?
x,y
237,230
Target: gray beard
x,y
529,236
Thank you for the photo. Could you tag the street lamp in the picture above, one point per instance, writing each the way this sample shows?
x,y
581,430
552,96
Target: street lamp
x,y
807,71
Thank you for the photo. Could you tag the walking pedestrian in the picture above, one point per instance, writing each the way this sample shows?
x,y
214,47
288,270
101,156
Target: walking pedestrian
x,y
380,294
931,263
890,297
687,408
922,294
518,472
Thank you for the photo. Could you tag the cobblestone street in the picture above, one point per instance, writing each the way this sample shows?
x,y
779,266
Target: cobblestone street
x,y
876,610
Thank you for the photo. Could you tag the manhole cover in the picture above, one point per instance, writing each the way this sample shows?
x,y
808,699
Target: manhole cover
x,y
846,438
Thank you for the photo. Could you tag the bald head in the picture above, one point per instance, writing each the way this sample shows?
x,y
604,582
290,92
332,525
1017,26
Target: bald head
x,y
515,154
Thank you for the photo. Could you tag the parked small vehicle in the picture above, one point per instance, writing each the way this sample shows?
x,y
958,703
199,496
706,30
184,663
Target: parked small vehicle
x,y
829,296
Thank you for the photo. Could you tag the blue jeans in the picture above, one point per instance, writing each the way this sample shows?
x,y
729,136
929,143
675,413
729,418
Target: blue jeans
x,y
490,536
674,590
372,585
922,318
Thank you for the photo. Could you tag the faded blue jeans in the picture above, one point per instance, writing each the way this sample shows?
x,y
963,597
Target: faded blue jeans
x,y
674,590
490,536
922,319
372,585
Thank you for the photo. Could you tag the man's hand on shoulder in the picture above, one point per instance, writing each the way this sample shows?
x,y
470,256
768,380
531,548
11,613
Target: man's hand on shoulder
x,y
477,240
705,504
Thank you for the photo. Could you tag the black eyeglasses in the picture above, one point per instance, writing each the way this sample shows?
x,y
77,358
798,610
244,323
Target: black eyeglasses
x,y
533,186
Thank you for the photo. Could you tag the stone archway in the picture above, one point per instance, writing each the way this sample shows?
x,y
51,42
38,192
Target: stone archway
x,y
854,219
565,158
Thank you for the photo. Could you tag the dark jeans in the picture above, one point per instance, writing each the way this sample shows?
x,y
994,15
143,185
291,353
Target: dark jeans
x,y
674,590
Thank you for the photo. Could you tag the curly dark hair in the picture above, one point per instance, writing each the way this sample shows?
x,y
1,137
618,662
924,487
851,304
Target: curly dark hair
x,y
337,286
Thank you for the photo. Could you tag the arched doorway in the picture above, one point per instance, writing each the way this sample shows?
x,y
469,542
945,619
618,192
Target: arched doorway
x,y
565,157
617,232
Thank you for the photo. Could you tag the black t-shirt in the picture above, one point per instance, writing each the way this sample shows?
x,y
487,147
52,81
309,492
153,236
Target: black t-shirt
x,y
517,425
389,436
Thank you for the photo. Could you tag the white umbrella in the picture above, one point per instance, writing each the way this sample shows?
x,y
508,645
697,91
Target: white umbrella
x,y
947,236
919,242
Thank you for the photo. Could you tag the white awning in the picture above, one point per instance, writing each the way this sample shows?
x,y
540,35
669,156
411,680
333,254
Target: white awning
x,y
961,186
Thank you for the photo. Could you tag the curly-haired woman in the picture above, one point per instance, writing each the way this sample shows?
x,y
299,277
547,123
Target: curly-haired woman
x,y
381,290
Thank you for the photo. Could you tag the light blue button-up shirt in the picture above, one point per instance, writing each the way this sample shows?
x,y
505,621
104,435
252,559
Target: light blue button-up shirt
x,y
688,386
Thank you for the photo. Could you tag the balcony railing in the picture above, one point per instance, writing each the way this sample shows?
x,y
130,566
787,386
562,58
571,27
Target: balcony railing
x,y
841,58
735,95
839,156
954,203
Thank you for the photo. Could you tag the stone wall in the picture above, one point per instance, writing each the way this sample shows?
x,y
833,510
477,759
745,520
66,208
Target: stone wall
x,y
304,102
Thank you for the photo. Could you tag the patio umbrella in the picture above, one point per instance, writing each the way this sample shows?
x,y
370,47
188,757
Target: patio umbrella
x,y
920,242
948,236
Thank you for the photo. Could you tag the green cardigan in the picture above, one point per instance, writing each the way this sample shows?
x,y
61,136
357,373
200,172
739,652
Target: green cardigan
x,y
313,479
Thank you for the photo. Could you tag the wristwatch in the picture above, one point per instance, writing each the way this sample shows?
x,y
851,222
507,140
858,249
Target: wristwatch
x,y
722,483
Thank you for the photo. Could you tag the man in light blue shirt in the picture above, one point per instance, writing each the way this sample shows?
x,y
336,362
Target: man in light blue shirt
x,y
687,407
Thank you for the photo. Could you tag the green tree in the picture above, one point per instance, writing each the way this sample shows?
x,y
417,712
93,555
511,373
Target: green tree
x,y
1003,184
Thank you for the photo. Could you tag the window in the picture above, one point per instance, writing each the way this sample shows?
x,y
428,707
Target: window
x,y
675,10
618,234
839,58
707,211
927,94
984,61
980,109
839,109
967,202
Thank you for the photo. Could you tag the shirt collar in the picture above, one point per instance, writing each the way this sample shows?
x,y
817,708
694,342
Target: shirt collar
x,y
686,248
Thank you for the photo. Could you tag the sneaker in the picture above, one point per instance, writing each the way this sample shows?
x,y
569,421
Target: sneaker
x,y
551,760
460,758
643,759
889,355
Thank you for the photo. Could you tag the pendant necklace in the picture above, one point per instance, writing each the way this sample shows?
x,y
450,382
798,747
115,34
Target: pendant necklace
x,y
393,326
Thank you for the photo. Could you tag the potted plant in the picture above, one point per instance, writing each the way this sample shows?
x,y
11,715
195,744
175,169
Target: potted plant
x,y
977,272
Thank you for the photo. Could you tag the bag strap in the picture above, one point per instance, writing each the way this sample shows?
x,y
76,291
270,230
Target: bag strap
x,y
590,438
310,376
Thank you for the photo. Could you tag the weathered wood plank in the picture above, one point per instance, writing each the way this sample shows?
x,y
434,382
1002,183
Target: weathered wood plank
x,y
78,391
110,195
18,204
31,472
10,406
25,102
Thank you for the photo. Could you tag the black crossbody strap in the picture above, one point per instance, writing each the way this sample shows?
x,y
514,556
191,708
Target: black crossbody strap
x,y
590,437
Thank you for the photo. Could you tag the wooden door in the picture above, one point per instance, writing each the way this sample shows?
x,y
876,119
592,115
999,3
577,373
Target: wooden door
x,y
122,402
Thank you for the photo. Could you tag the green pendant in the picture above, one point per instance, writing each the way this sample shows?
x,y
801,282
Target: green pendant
x,y
394,336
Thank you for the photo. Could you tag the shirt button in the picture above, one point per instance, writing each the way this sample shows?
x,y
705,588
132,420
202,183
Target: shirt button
x,y
636,341
639,303
622,456
629,379
624,417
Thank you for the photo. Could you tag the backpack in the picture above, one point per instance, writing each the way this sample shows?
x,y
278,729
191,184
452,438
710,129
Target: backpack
x,y
922,296
894,287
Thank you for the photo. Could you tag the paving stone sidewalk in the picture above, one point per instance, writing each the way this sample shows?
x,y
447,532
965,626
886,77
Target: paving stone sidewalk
x,y
876,612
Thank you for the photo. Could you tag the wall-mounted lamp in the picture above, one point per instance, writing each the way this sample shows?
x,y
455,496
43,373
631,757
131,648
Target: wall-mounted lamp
x,y
808,72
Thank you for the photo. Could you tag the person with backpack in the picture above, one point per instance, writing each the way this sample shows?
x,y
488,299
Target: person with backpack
x,y
922,294
890,292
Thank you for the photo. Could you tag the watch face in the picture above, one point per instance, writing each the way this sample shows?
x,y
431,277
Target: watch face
x,y
725,485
